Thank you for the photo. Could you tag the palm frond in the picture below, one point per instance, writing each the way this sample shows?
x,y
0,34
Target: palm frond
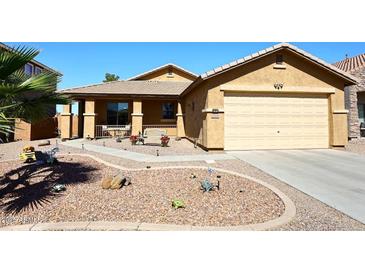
x,y
42,83
6,126
11,61
21,96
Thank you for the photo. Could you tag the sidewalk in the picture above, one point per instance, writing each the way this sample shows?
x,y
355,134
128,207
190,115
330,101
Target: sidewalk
x,y
140,157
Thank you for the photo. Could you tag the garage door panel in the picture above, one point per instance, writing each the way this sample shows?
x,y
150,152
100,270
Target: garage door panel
x,y
273,122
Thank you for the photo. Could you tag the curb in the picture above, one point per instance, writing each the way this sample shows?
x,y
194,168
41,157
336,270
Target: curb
x,y
287,216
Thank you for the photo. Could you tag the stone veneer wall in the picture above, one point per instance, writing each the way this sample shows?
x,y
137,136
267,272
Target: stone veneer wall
x,y
351,102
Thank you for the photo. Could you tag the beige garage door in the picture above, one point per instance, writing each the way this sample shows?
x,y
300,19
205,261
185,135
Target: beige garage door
x,y
275,122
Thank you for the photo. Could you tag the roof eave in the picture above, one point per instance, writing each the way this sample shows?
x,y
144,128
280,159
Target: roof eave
x,y
351,80
106,94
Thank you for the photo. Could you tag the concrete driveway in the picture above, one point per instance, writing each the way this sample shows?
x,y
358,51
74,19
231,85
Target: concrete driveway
x,y
334,177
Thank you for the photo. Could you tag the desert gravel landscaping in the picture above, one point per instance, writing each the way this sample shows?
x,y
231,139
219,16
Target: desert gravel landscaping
x,y
26,196
356,146
181,147
311,214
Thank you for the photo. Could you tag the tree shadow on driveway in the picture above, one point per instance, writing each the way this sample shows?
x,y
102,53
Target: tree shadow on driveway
x,y
30,186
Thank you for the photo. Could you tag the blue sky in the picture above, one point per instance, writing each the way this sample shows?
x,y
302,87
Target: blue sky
x,y
87,63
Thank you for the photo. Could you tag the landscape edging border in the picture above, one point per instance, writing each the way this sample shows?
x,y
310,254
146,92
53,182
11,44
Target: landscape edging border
x,y
287,216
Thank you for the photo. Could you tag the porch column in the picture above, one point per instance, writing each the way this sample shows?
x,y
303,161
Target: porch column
x,y
180,128
89,119
66,122
137,116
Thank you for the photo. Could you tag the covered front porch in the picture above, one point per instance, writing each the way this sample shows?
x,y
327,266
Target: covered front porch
x,y
121,116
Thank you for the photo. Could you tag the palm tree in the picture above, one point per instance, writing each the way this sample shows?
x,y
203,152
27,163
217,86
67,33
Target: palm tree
x,y
21,96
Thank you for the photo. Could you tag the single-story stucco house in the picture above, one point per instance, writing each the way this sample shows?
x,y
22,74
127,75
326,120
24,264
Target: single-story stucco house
x,y
278,98
355,95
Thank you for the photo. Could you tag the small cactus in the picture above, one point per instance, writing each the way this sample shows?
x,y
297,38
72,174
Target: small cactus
x,y
177,204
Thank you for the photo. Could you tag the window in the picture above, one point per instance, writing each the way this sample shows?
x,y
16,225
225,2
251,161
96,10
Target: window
x,y
279,59
169,73
117,113
168,111
28,69
37,70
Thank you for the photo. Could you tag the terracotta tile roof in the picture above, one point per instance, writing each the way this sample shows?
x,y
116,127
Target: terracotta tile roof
x,y
274,48
147,88
160,68
351,64
43,66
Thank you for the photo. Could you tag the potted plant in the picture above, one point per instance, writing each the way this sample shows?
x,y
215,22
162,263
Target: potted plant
x,y
165,140
133,139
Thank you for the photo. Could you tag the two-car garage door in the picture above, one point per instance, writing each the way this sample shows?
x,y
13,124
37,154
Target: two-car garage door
x,y
275,122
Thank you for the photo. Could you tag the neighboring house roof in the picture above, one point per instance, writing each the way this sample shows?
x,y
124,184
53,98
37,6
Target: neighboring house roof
x,y
145,88
275,48
43,66
161,68
351,64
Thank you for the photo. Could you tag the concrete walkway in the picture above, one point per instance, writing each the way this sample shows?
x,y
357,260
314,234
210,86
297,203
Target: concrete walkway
x,y
141,157
334,177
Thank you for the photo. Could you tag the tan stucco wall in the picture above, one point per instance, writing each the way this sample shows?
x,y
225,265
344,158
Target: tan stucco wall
x,y
152,112
22,130
162,75
90,117
43,129
75,126
180,123
298,72
66,122
195,120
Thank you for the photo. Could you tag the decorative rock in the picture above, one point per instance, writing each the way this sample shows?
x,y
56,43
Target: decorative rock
x,y
106,182
127,181
117,182
44,143
58,188
118,140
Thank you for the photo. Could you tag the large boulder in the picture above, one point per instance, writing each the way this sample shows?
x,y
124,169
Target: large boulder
x,y
106,182
117,182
